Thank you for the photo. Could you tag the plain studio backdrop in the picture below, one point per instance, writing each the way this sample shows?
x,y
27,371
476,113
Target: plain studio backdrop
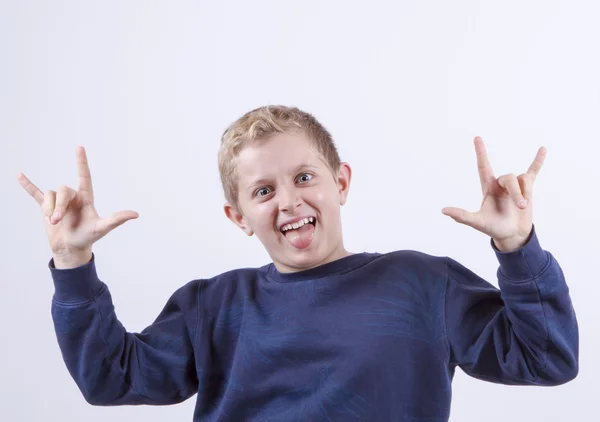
x,y
149,86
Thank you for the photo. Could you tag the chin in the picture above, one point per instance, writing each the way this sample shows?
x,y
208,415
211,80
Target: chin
x,y
304,260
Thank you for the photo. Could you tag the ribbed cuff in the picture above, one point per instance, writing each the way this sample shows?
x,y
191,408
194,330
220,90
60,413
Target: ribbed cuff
x,y
75,285
524,263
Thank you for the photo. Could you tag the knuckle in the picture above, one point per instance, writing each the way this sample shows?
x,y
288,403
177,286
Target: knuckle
x,y
64,195
66,190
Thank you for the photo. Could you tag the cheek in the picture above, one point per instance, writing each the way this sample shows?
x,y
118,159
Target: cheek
x,y
265,216
328,194
324,202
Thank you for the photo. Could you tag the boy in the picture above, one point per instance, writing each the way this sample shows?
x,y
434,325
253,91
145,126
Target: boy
x,y
319,334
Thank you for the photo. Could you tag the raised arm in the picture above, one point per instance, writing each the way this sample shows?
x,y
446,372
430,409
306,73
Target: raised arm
x,y
526,332
110,365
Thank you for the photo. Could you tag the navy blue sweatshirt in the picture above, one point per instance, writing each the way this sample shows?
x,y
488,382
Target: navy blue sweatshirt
x,y
369,337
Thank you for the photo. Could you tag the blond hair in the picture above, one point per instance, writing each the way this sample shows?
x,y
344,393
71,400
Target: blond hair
x,y
260,124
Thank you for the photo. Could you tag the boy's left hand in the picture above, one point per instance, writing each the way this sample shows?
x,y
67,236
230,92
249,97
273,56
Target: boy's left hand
x,y
501,216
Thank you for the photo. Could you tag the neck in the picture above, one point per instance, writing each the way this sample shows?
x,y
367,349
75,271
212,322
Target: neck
x,y
337,253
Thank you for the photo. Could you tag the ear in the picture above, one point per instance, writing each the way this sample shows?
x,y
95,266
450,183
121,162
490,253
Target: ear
x,y
237,218
343,181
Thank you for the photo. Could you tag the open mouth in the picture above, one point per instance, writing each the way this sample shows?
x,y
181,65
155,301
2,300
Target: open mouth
x,y
300,234
298,224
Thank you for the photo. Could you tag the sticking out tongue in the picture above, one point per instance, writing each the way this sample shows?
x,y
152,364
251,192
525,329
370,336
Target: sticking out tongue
x,y
301,237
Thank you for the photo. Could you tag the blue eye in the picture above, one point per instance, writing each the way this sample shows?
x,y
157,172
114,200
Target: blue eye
x,y
262,192
306,177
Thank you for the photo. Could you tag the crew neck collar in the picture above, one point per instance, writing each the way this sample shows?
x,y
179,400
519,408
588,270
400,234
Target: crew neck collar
x,y
337,267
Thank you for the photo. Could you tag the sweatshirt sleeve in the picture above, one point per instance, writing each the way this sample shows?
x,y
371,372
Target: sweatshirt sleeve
x,y
112,366
524,333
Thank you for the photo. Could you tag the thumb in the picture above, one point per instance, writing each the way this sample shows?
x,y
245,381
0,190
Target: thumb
x,y
113,221
461,216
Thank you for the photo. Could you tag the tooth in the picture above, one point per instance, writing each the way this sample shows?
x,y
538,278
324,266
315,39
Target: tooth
x,y
297,224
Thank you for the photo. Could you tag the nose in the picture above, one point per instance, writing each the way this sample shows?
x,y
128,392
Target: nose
x,y
289,199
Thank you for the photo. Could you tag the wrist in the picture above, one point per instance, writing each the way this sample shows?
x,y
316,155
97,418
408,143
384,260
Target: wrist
x,y
512,244
68,260
509,245
77,281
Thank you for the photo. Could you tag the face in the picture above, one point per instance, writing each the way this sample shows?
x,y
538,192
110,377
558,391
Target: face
x,y
283,180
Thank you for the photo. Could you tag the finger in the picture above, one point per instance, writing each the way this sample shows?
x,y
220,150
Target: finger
x,y
108,224
526,185
511,185
64,196
31,189
464,217
48,204
536,166
85,177
486,174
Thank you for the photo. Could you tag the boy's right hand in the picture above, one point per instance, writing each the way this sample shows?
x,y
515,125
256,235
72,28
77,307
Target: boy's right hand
x,y
72,223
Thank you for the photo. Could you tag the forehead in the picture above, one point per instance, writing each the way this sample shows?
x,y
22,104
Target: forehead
x,y
280,154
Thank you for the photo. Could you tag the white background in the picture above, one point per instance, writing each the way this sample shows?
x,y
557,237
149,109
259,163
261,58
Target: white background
x,y
404,86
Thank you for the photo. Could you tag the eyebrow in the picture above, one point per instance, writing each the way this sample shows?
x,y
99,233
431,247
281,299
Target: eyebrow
x,y
297,169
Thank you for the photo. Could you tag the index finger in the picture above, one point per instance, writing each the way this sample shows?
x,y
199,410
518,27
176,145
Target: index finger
x,y
83,169
31,189
536,166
